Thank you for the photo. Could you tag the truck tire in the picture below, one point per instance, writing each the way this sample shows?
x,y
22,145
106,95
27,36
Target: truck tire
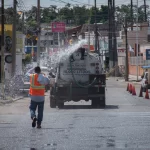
x,y
97,103
94,103
60,105
102,103
52,102
52,99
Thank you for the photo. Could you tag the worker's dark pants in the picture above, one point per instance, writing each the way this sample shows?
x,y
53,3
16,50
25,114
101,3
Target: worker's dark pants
x,y
33,107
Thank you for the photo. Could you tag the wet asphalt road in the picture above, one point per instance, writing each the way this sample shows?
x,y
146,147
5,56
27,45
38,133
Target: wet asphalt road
x,y
123,124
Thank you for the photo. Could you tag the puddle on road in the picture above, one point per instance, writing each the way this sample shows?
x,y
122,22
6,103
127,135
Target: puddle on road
x,y
60,130
52,145
111,142
101,127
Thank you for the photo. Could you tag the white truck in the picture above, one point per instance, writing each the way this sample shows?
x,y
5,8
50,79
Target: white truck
x,y
80,77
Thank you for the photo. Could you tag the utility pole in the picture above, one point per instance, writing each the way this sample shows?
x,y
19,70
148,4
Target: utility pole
x,y
23,22
137,48
2,51
126,39
145,10
89,30
115,64
38,25
132,15
14,39
96,36
89,36
110,34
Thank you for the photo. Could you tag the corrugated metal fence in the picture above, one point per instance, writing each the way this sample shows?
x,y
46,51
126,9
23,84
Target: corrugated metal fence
x,y
138,61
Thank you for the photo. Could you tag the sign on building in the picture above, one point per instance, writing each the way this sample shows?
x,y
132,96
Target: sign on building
x,y
121,52
91,47
58,27
147,54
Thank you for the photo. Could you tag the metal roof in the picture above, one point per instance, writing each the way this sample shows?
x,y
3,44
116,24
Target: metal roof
x,y
146,67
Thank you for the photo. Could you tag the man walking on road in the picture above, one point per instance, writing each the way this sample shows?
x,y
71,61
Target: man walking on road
x,y
37,94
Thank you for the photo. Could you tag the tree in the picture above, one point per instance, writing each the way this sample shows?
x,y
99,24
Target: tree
x,y
81,15
92,15
124,11
31,17
103,14
76,15
49,14
9,19
66,14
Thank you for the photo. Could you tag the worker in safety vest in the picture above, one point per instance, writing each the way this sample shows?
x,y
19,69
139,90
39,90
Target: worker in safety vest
x,y
73,39
37,94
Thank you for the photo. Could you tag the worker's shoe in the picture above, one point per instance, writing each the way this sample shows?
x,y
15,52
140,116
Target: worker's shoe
x,y
34,122
38,126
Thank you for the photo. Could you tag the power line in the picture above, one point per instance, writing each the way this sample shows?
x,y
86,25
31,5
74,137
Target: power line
x,y
82,3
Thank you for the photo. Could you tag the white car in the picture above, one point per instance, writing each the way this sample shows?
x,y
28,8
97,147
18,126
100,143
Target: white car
x,y
144,82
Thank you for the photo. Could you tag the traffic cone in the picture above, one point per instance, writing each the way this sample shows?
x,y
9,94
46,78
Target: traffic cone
x,y
147,95
128,87
133,90
141,92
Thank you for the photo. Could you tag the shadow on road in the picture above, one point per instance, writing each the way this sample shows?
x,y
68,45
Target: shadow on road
x,y
89,107
111,107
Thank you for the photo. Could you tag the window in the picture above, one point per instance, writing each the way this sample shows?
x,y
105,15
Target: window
x,y
56,42
51,42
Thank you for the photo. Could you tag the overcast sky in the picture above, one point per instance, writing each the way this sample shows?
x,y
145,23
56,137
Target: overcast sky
x,y
60,3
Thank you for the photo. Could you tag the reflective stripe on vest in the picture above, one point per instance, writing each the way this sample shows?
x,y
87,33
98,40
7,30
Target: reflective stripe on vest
x,y
33,86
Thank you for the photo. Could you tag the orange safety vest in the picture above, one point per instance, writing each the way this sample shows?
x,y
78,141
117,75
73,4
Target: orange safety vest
x,y
36,89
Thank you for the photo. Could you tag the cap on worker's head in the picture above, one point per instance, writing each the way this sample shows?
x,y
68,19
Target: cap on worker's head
x,y
37,69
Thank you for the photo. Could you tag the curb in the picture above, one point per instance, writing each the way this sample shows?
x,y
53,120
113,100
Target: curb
x,y
130,81
3,102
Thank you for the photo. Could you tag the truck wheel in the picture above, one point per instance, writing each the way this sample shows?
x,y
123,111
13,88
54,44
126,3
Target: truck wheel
x,y
94,102
102,103
52,102
97,103
60,105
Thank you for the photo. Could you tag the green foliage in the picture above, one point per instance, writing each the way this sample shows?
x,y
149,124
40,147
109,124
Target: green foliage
x,y
27,59
9,19
124,11
75,15
72,15
48,14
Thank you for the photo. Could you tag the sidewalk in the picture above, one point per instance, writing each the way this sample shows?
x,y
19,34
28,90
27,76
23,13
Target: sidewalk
x,y
132,78
9,99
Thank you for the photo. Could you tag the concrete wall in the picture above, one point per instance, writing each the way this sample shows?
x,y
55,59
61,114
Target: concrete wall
x,y
133,70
